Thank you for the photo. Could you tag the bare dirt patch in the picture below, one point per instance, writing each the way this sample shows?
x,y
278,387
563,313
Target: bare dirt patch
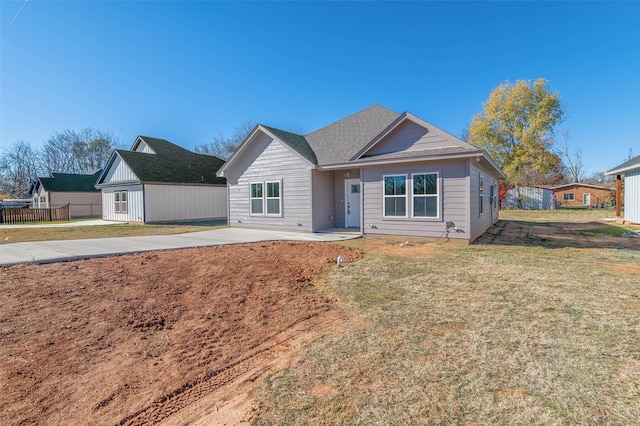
x,y
164,337
554,235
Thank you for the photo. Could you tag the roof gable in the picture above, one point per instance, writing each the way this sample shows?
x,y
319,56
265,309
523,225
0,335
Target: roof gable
x,y
409,135
169,163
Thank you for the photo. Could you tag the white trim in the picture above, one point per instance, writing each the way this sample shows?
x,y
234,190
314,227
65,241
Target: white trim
x,y
438,195
251,213
385,196
267,198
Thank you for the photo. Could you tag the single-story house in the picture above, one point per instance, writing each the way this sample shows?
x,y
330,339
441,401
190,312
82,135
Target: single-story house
x,y
158,181
630,172
375,172
582,194
77,190
528,198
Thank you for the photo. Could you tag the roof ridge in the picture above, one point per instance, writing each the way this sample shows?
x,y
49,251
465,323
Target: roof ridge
x,y
350,116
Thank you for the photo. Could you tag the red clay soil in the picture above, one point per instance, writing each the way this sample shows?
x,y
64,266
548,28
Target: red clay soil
x,y
151,338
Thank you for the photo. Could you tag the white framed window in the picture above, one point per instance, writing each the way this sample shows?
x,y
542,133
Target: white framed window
x,y
273,198
257,198
265,198
426,195
569,197
586,199
120,199
395,195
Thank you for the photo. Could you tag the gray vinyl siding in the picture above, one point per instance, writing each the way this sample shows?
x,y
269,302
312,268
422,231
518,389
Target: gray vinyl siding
x,y
184,202
323,200
409,136
81,204
632,196
453,200
480,222
135,204
265,160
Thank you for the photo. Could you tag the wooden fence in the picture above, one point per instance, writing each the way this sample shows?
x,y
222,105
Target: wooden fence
x,y
54,214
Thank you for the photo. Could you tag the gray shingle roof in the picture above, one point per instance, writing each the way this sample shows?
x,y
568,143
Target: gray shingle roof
x,y
172,164
295,141
422,154
627,165
340,141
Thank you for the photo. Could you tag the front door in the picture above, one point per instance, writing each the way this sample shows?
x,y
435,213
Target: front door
x,y
352,203
586,199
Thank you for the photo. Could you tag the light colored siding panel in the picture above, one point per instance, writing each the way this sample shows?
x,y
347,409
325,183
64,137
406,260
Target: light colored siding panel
x,y
135,204
143,147
408,136
80,203
266,159
453,208
480,222
323,200
184,202
120,172
632,196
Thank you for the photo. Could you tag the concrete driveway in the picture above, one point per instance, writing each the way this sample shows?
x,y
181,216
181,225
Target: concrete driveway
x,y
61,251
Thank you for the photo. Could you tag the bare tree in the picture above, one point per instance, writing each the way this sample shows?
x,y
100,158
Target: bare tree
x,y
222,146
77,152
574,166
18,169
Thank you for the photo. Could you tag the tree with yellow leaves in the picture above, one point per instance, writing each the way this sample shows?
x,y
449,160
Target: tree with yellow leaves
x,y
516,127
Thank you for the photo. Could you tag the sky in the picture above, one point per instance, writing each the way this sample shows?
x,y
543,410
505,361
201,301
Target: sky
x,y
188,71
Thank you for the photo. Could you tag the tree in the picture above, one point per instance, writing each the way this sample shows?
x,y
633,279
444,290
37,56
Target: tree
x,y
18,169
516,127
77,152
222,146
574,164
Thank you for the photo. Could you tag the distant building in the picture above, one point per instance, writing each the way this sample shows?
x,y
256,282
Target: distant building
x,y
630,172
582,194
77,190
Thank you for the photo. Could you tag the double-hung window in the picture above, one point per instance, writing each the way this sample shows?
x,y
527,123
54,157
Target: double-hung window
x,y
425,195
265,197
120,198
395,196
273,198
257,198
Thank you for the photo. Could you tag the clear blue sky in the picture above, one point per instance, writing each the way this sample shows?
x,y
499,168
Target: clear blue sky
x,y
186,71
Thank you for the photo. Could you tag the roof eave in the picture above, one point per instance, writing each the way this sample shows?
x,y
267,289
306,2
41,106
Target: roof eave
x,y
622,170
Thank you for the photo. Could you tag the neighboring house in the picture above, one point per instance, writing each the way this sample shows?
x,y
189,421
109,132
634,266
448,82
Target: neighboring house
x,y
77,190
630,172
375,172
528,198
158,181
582,194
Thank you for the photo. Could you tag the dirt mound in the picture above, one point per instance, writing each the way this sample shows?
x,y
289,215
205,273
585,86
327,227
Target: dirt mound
x,y
140,339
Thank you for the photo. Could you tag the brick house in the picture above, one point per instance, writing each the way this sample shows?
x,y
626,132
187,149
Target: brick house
x,y
582,194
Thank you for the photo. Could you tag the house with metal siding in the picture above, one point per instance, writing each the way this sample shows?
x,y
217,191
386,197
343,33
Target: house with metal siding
x,y
76,189
628,171
375,172
158,181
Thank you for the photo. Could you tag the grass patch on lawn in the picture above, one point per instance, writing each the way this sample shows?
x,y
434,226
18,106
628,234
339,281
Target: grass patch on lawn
x,y
612,231
560,215
17,235
471,335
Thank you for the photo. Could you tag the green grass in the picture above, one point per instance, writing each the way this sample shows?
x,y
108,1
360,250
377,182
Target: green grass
x,y
613,231
472,335
15,235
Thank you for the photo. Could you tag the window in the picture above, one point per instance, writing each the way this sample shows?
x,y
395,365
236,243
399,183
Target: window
x,y
569,197
273,198
257,203
120,198
425,195
395,196
265,196
481,195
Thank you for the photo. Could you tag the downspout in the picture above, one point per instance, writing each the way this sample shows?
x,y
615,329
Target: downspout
x,y
361,200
